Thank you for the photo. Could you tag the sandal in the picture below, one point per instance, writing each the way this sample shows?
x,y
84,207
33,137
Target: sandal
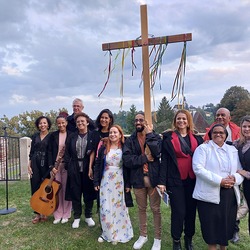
x,y
36,219
44,218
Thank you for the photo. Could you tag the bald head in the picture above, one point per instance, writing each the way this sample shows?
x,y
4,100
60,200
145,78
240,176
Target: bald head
x,y
223,116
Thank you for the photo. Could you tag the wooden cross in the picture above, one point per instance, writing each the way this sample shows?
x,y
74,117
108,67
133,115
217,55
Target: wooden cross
x,y
144,42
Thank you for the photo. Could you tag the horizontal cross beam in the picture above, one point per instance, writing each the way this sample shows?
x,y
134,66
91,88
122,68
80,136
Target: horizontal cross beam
x,y
151,41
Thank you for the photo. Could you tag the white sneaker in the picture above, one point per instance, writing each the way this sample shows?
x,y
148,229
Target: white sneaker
x,y
90,222
100,239
140,242
56,221
64,221
156,245
76,223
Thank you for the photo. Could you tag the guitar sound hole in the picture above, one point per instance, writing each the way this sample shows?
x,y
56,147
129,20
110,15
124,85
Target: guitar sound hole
x,y
48,190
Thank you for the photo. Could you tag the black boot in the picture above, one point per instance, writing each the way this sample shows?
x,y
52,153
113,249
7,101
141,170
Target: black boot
x,y
177,245
188,243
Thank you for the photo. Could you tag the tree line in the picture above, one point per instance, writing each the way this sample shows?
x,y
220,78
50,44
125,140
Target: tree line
x,y
236,100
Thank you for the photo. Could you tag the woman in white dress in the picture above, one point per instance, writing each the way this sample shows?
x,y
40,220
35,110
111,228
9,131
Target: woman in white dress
x,y
111,180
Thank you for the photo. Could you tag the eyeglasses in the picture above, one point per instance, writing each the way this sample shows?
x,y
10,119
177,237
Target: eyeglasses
x,y
218,133
139,120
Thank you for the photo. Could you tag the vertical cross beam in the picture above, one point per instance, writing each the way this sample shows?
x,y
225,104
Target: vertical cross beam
x,y
145,64
144,42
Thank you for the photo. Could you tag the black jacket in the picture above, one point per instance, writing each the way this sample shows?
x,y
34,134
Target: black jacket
x,y
170,175
53,146
72,166
39,154
98,173
71,126
134,159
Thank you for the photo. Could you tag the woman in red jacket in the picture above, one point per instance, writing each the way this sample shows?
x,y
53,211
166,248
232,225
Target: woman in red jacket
x,y
178,177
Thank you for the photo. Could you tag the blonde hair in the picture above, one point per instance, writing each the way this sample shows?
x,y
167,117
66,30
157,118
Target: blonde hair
x,y
242,139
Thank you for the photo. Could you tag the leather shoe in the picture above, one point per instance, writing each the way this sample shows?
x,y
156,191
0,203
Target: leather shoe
x,y
188,243
177,245
44,218
36,219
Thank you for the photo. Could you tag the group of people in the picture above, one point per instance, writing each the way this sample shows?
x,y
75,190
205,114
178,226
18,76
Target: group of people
x,y
197,173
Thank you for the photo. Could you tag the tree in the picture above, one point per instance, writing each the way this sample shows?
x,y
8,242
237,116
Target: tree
x,y
235,100
24,124
130,119
242,109
232,96
27,122
120,119
209,107
165,116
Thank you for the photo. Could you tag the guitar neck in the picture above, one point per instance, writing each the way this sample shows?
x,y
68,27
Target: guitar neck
x,y
56,166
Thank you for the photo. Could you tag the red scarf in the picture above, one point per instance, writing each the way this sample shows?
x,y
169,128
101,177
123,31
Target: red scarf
x,y
184,162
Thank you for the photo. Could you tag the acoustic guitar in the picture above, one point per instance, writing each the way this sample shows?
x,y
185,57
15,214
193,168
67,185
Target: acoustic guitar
x,y
44,200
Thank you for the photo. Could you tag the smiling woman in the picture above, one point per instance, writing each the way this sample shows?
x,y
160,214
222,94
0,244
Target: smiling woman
x,y
38,168
111,180
56,146
218,134
215,165
177,174
243,146
79,146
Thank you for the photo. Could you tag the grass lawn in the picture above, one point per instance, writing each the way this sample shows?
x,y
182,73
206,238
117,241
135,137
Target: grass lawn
x,y
18,232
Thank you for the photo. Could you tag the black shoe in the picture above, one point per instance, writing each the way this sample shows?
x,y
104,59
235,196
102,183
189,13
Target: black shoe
x,y
235,238
177,245
188,243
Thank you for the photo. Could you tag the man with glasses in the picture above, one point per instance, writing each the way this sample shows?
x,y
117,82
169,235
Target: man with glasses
x,y
141,154
78,107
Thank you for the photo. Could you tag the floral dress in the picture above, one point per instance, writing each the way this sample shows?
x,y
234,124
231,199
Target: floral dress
x,y
115,220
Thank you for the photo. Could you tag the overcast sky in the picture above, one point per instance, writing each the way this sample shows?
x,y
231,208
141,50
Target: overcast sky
x,y
51,52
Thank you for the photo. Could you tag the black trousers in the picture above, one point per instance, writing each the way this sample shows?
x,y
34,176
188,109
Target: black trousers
x,y
183,209
39,174
86,191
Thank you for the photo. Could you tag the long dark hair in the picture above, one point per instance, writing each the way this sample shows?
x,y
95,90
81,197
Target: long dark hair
x,y
98,118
